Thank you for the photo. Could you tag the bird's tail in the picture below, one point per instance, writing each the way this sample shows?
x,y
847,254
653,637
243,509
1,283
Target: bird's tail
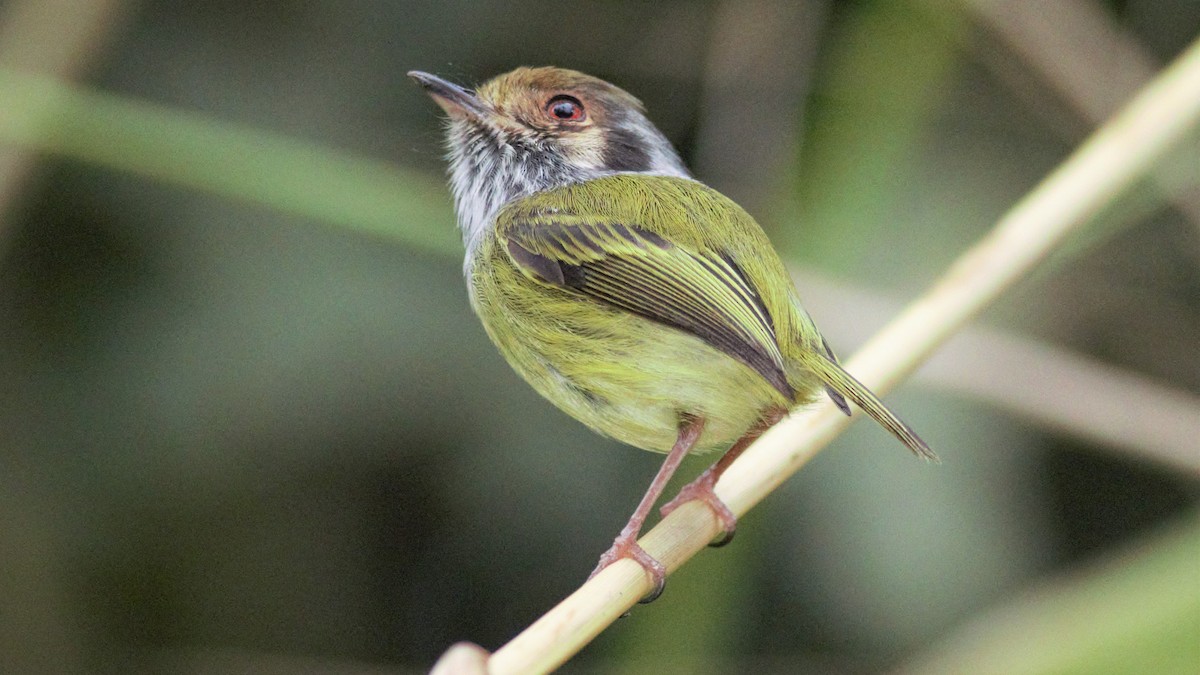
x,y
844,384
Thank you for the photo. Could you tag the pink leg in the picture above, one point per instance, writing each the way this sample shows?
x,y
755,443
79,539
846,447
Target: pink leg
x,y
703,487
625,545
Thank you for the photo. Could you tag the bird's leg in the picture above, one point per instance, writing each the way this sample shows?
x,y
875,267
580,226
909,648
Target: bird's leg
x,y
703,487
625,545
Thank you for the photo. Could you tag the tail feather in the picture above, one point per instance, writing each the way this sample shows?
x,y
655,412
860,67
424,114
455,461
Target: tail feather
x,y
843,383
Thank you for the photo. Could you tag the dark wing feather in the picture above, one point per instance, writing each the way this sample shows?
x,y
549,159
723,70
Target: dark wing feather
x,y
838,399
638,271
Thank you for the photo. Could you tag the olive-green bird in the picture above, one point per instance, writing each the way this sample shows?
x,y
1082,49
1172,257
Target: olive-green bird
x,y
640,301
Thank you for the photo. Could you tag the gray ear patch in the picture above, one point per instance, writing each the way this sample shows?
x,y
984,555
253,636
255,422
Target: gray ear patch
x,y
625,151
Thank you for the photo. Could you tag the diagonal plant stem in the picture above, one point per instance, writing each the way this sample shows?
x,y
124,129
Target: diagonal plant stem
x,y
1110,161
55,37
190,149
1054,387
1079,50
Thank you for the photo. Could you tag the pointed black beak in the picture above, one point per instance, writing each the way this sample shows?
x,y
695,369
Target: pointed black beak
x,y
455,100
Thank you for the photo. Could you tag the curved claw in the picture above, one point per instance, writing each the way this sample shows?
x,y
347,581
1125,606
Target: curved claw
x,y
660,585
725,538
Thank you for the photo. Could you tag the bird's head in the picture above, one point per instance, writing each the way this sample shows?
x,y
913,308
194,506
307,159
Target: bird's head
x,y
533,129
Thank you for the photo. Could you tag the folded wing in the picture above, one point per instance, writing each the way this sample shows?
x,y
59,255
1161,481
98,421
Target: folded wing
x,y
635,270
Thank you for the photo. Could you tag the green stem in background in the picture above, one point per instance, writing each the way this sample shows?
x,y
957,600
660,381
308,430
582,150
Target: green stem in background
x,y
231,160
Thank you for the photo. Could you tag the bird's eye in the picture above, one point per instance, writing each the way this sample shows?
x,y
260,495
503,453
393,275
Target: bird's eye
x,y
565,109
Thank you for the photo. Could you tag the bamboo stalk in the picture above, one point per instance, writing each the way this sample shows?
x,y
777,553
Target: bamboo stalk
x,y
1050,386
1100,170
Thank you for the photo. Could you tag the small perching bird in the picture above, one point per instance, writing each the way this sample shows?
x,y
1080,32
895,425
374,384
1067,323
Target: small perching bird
x,y
640,301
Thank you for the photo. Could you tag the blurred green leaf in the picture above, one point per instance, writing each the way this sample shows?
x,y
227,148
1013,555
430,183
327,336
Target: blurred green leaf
x,y
191,149
883,76
1139,613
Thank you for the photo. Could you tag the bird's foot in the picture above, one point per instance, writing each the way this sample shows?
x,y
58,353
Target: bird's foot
x,y
703,489
626,546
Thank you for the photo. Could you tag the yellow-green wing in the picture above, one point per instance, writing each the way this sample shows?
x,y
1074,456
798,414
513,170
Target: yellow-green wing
x,y
639,271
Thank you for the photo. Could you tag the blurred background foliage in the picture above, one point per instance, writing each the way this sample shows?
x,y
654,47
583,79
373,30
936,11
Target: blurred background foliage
x,y
249,424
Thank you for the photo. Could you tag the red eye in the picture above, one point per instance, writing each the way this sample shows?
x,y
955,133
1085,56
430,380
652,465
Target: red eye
x,y
565,108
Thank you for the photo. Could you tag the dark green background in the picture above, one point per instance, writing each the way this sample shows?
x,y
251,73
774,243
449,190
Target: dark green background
x,y
237,439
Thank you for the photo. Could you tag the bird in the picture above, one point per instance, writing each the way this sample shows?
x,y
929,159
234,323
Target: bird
x,y
640,301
